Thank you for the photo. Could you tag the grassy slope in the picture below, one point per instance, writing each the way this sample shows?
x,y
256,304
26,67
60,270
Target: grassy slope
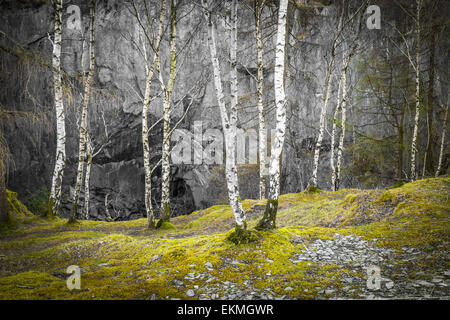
x,y
125,260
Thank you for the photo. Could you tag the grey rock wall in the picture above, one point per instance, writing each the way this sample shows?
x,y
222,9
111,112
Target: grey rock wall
x,y
119,85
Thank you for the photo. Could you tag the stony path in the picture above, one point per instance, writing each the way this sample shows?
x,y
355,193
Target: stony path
x,y
393,275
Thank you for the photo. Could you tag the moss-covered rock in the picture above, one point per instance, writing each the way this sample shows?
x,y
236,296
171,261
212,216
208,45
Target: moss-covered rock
x,y
240,235
15,207
165,225
313,189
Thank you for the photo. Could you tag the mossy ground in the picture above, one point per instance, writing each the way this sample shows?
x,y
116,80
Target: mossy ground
x,y
126,260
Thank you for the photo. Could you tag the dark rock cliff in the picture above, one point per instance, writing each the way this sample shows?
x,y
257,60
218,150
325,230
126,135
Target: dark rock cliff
x,y
118,89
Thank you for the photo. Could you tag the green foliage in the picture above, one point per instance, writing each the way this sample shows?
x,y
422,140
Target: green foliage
x,y
15,207
386,92
17,212
38,201
373,162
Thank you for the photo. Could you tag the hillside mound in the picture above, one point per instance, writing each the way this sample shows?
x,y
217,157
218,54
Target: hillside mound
x,y
353,244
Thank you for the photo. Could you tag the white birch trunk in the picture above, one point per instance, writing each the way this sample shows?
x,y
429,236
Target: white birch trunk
x,y
343,124
417,116
333,136
60,162
441,153
145,127
146,146
323,111
343,107
84,111
233,69
165,164
262,134
87,178
268,220
280,101
230,161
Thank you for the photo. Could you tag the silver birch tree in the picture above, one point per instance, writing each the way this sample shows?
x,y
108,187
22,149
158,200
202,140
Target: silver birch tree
x,y
441,153
168,89
92,152
325,98
269,217
60,161
333,135
417,115
229,132
145,108
342,106
262,134
87,177
84,112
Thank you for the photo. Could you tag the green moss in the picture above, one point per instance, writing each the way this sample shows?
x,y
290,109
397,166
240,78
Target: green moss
x,y
47,211
165,225
313,189
242,235
397,185
350,199
18,213
387,197
213,216
15,207
269,218
29,285
125,260
165,212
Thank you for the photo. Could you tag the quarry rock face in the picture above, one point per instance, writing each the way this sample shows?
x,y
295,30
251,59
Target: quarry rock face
x,y
118,87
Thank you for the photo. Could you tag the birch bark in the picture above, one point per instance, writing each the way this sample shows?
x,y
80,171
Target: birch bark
x,y
417,116
60,162
87,178
165,165
343,124
343,107
269,217
262,134
428,163
325,98
333,136
441,153
83,126
145,129
230,160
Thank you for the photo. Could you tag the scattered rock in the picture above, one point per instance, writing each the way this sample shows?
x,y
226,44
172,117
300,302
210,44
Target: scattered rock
x,y
105,265
190,293
424,283
178,283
